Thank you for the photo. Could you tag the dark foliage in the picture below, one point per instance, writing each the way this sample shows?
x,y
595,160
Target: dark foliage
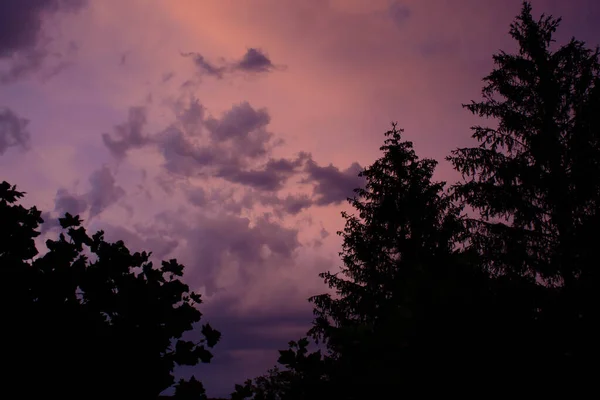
x,y
408,302
534,185
501,296
88,319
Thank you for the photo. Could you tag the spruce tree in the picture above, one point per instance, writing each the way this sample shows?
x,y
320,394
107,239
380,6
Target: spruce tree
x,y
407,296
533,184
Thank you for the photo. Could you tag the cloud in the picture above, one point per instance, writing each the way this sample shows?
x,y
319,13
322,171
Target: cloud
x,y
292,204
399,13
205,66
192,117
13,131
104,191
271,177
236,145
160,243
224,250
253,61
129,135
238,122
65,202
21,33
233,141
333,186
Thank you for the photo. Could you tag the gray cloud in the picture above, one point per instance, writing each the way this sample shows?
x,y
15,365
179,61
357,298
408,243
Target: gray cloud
x,y
258,179
21,33
65,202
197,196
192,117
333,186
13,131
238,141
238,122
291,204
253,61
271,177
104,191
237,148
205,66
160,243
399,13
214,241
129,135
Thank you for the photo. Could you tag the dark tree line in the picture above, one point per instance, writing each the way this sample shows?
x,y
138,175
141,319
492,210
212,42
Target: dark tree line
x,y
489,285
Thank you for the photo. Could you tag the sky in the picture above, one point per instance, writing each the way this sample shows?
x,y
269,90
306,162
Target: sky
x,y
228,133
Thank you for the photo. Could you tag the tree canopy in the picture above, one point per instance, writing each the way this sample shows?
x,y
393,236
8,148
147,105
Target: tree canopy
x,y
88,318
489,285
533,183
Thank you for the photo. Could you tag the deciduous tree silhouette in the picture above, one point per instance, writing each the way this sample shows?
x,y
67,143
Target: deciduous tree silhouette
x,y
534,183
88,319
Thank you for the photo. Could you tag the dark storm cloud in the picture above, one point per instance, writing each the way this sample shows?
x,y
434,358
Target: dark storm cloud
x,y
333,186
129,135
254,61
21,37
13,131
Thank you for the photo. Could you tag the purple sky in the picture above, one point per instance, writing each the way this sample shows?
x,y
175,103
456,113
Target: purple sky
x,y
228,133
